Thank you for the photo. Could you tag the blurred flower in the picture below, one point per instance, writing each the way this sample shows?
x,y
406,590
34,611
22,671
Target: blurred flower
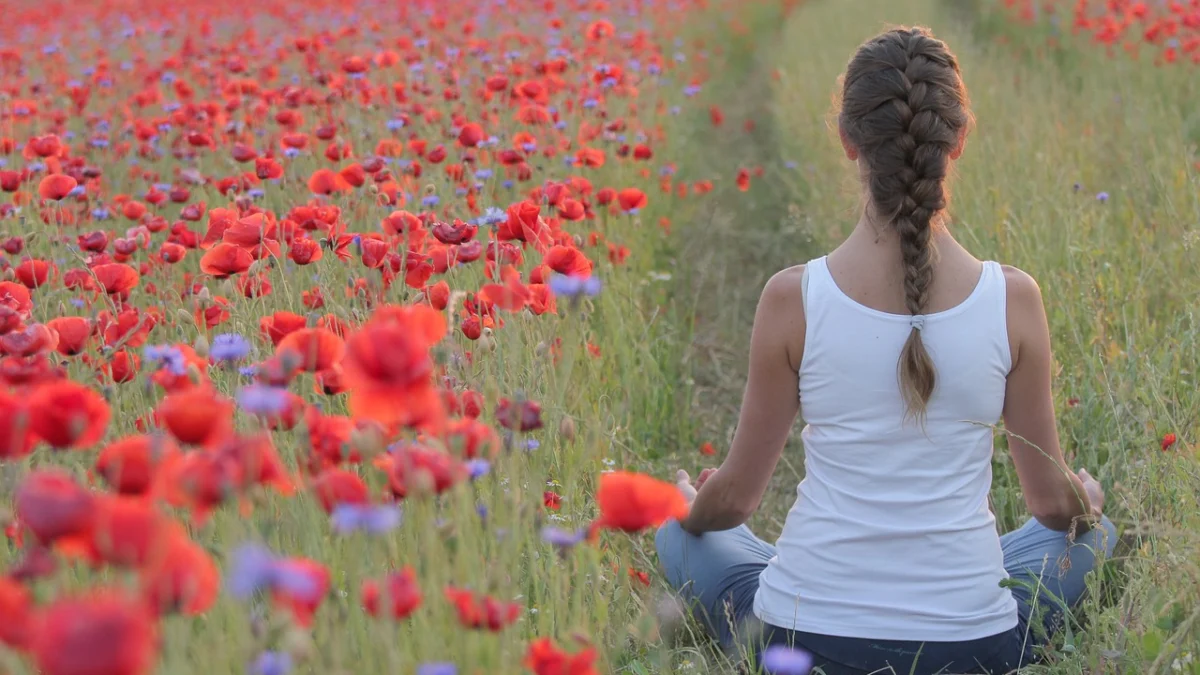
x,y
272,663
1168,440
255,568
561,538
258,399
437,668
1102,197
229,347
574,287
782,660
168,357
370,518
478,468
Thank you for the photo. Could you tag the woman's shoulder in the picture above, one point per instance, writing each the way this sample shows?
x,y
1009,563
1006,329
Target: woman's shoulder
x,y
1022,289
785,288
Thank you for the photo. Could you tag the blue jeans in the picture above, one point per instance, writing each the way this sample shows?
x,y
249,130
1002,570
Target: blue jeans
x,y
717,573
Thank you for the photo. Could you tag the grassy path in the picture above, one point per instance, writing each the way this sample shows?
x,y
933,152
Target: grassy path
x,y
1117,272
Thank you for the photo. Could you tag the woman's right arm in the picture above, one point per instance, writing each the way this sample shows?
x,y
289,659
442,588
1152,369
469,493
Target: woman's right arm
x,y
1054,494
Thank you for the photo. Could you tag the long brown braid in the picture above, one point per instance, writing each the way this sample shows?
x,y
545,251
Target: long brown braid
x,y
905,110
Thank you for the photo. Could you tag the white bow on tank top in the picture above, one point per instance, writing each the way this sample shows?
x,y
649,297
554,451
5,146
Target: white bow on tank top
x,y
891,536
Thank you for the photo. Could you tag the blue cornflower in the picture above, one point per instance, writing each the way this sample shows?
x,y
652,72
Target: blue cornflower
x,y
168,357
563,539
259,399
229,347
272,663
430,200
437,668
101,213
784,660
372,519
574,287
1102,197
492,216
478,468
255,568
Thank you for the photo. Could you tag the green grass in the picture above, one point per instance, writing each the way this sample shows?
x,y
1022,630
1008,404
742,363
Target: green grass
x,y
1120,281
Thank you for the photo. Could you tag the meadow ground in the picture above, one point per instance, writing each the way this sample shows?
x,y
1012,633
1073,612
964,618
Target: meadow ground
x,y
651,368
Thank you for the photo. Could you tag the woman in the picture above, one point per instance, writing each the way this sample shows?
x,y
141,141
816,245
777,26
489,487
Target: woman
x,y
904,349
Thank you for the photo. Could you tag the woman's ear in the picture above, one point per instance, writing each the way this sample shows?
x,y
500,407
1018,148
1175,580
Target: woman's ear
x,y
851,151
962,145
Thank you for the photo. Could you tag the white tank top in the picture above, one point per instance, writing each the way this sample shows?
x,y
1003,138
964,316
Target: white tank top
x,y
891,536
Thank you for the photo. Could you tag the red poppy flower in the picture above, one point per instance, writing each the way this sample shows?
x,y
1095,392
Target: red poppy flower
x,y
278,325
326,182
399,590
482,611
65,414
545,658
335,486
224,260
128,465
568,260
73,333
388,368
412,468
196,416
519,415
303,605
56,186
34,339
1168,440
16,433
16,606
104,631
316,348
51,505
182,578
16,297
305,251
633,501
631,198
33,273
471,438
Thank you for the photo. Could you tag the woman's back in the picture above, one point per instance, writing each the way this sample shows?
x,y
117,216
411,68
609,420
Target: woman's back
x,y
891,536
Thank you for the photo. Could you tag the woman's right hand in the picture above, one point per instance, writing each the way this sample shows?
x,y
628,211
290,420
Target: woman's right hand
x,y
1095,492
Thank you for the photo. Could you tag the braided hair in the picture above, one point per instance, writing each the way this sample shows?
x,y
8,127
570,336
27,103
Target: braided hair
x,y
905,110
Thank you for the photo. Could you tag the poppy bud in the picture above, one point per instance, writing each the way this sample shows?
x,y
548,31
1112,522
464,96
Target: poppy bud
x,y
201,346
486,341
185,315
298,643
367,441
541,349
579,241
566,428
204,294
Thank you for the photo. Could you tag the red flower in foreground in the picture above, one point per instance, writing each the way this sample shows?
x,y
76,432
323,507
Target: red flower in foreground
x,y
15,607
128,465
1168,440
482,611
632,198
68,415
56,186
317,348
388,369
400,591
632,501
103,633
303,605
545,658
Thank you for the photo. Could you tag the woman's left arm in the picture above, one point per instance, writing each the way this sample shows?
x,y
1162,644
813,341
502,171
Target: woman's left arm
x,y
769,408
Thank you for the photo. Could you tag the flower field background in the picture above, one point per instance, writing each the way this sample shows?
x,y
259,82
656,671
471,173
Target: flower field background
x,y
334,335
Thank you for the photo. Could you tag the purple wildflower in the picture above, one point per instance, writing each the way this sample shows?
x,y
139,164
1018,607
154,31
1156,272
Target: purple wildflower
x,y
437,668
167,356
370,518
272,663
783,660
1102,197
255,568
229,347
574,287
563,539
478,468
258,399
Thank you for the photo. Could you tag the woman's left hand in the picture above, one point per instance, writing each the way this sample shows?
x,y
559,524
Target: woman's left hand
x,y
684,482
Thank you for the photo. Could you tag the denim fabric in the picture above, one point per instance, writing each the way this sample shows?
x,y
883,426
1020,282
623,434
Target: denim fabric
x,y
717,573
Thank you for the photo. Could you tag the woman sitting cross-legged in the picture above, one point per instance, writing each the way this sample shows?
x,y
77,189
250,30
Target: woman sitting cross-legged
x,y
903,350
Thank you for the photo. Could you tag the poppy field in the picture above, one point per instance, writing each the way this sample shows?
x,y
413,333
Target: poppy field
x,y
358,337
